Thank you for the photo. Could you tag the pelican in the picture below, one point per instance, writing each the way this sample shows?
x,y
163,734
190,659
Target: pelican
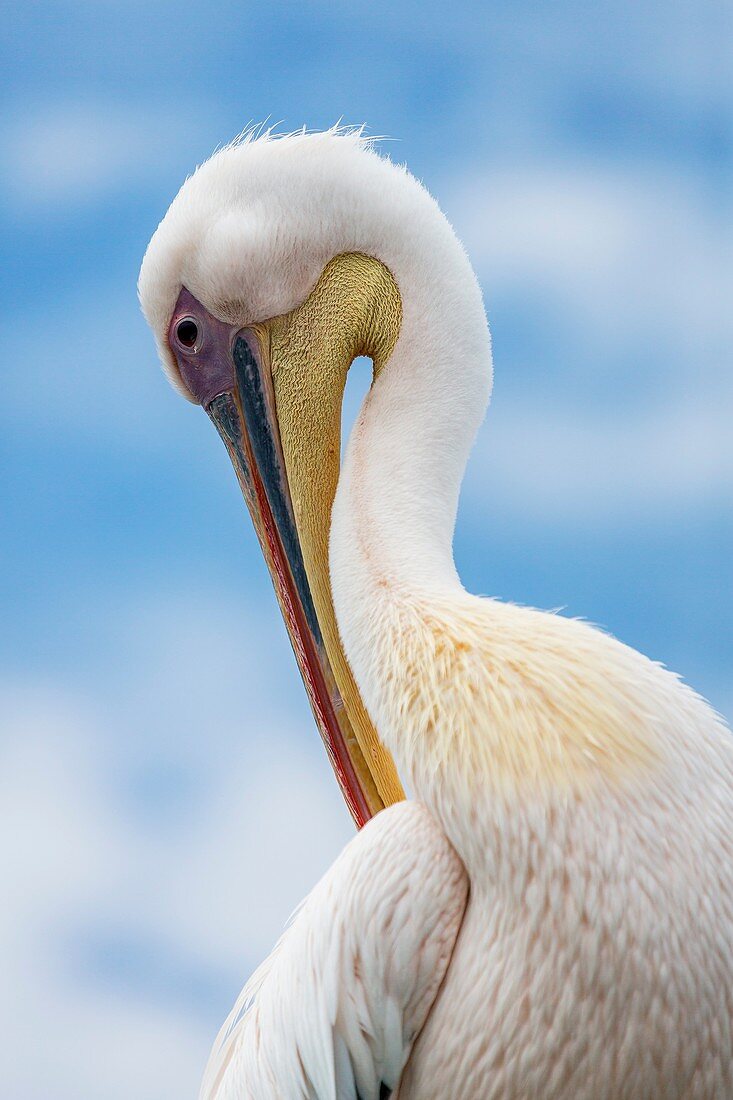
x,y
550,914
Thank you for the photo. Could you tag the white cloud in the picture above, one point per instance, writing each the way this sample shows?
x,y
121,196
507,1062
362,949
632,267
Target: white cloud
x,y
546,464
618,247
206,894
77,152
623,258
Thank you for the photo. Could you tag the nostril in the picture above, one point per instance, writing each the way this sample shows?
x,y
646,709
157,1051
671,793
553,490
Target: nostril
x,y
187,332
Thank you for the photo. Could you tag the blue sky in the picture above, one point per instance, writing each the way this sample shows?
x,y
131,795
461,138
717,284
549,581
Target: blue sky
x,y
164,797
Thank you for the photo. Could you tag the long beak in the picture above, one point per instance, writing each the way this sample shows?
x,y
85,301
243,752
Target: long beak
x,y
240,377
247,424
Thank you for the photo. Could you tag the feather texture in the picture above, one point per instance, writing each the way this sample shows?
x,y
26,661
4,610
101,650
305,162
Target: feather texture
x,y
334,1011
587,793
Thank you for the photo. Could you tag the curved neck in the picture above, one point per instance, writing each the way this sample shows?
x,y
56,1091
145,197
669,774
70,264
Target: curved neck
x,y
395,508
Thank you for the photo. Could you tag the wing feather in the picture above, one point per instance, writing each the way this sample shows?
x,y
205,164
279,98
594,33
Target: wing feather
x,y
333,1012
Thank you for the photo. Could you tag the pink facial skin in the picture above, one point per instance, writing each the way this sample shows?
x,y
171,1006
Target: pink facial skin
x,y
202,346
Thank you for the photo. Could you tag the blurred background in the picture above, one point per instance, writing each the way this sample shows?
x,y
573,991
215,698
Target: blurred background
x,y
164,798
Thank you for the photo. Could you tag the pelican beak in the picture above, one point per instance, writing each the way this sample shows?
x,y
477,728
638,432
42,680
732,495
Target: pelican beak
x,y
246,379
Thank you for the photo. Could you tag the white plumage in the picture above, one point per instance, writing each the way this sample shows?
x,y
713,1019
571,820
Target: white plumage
x,y
335,1009
583,792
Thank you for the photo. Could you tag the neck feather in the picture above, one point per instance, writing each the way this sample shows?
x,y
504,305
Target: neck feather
x,y
395,508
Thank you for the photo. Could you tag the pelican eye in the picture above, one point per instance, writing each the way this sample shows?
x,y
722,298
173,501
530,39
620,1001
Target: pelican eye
x,y
187,332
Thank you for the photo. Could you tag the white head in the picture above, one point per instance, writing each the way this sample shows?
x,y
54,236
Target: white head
x,y
251,240
250,232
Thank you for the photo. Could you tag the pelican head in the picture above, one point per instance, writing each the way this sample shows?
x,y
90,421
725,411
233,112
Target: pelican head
x,y
279,262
